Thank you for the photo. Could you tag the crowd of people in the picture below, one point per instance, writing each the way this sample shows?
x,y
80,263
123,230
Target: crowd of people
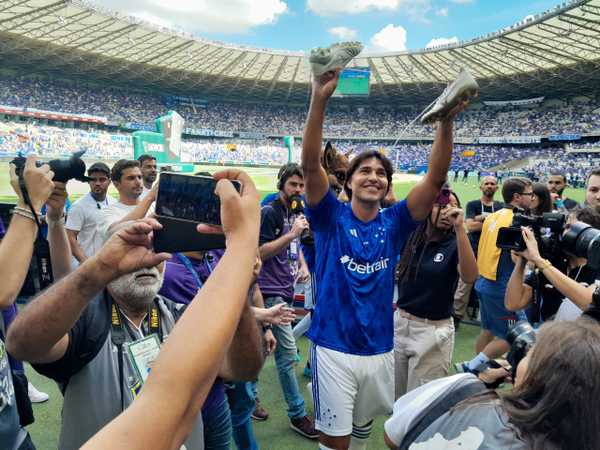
x,y
125,106
176,341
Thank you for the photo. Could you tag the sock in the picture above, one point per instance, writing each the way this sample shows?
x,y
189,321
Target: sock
x,y
360,436
478,361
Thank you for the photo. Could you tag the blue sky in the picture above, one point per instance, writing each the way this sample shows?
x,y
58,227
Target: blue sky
x,y
382,25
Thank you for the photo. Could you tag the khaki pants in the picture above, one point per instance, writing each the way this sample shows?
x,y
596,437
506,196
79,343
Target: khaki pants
x,y
461,298
422,351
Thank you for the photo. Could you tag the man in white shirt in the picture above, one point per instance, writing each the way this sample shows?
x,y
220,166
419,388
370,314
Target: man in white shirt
x,y
148,167
126,175
86,214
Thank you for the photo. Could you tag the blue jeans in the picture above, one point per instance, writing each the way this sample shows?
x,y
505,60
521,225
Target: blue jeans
x,y
285,359
217,427
241,401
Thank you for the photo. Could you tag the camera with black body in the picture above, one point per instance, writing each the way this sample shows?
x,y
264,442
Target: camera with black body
x,y
64,169
521,338
556,240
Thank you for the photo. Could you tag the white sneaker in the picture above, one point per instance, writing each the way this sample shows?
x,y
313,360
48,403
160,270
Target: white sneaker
x,y
336,56
36,396
463,88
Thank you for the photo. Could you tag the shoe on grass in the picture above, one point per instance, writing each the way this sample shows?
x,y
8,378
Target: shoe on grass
x,y
36,396
304,426
259,412
463,88
336,56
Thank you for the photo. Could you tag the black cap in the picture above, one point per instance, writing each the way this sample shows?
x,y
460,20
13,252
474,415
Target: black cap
x,y
99,167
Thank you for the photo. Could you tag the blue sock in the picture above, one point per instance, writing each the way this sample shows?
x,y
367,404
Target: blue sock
x,y
478,361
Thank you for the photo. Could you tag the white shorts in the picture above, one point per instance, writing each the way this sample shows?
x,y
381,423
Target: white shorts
x,y
350,389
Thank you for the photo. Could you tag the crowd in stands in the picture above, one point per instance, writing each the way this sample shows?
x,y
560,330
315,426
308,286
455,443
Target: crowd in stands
x,y
119,106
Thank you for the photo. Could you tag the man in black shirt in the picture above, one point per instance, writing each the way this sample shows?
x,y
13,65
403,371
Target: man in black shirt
x,y
557,182
477,211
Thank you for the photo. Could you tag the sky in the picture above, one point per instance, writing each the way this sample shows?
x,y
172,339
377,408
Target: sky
x,y
299,25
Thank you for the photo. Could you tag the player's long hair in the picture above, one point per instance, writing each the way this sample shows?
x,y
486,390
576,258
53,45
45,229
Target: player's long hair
x,y
419,239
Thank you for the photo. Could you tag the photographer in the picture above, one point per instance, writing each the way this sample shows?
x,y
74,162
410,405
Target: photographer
x,y
15,256
592,189
546,285
553,404
423,329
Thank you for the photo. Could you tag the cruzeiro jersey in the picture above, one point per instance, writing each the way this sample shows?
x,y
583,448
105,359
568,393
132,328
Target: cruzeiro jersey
x,y
355,275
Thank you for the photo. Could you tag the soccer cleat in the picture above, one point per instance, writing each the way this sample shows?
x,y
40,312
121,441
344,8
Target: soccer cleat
x,y
463,367
336,56
463,88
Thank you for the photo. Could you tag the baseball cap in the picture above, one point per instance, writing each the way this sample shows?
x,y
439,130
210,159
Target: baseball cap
x,y
99,167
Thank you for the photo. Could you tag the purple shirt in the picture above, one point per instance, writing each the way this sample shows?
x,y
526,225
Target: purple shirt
x,y
181,286
277,274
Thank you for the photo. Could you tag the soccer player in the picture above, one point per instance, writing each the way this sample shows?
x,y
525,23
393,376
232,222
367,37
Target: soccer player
x,y
357,246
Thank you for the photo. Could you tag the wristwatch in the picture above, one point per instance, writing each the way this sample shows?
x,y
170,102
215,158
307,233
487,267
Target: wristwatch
x,y
266,327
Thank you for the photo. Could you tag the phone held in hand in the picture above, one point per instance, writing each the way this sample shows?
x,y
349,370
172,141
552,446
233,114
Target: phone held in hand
x,y
183,202
190,197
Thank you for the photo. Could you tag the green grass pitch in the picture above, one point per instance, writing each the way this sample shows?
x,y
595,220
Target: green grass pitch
x,y
274,434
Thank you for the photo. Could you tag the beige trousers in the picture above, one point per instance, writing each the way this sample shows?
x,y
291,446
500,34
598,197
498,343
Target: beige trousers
x,y
461,298
422,351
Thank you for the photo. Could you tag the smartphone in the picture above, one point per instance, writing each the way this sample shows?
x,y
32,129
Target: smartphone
x,y
510,238
190,198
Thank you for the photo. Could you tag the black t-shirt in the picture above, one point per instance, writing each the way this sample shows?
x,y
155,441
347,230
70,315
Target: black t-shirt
x,y
429,292
548,301
476,208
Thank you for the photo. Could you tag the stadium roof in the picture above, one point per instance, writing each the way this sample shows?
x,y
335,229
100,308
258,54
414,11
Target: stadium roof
x,y
557,51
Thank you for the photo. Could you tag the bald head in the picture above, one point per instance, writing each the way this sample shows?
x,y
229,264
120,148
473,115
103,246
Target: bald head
x,y
488,186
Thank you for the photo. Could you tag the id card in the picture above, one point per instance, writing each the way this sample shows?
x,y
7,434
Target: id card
x,y
142,354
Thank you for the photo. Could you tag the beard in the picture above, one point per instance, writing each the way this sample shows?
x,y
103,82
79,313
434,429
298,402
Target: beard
x,y
135,293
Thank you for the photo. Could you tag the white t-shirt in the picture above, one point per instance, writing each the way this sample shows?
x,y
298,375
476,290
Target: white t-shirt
x,y
145,192
112,214
84,217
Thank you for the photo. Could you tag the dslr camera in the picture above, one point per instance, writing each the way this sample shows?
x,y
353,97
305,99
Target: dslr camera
x,y
521,338
556,240
64,169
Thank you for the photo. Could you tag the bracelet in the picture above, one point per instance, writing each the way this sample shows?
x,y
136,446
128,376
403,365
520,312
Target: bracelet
x,y
544,264
24,214
26,210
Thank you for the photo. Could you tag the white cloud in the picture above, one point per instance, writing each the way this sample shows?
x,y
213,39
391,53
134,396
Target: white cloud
x,y
416,10
229,16
462,2
442,41
333,7
343,33
442,12
388,39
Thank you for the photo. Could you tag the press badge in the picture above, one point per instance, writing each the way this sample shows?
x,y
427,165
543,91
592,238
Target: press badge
x,y
293,250
142,354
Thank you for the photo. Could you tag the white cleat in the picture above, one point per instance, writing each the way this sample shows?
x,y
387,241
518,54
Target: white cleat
x,y
463,88
336,56
36,396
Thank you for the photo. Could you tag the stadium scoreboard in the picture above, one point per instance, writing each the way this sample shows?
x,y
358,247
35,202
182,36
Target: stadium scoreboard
x,y
353,82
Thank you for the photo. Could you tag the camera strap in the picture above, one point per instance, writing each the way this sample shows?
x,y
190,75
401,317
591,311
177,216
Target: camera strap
x,y
119,336
190,268
43,276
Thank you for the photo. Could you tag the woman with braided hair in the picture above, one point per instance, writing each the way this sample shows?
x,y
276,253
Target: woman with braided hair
x,y
436,254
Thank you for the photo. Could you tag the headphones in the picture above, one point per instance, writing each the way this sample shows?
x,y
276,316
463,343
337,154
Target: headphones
x,y
285,172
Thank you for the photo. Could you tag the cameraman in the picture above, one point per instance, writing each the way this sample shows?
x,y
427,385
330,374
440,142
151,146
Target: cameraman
x,y
546,285
553,404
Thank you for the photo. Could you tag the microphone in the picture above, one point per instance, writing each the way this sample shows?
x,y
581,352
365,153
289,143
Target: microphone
x,y
297,208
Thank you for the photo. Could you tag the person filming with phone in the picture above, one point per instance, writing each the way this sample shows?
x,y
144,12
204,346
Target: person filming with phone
x,y
439,250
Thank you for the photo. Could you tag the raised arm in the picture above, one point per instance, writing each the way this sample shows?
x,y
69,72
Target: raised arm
x,y
200,337
315,178
17,246
421,197
60,250
40,332
518,294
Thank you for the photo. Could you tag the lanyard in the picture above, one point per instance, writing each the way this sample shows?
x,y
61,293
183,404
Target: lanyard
x,y
482,211
118,335
190,268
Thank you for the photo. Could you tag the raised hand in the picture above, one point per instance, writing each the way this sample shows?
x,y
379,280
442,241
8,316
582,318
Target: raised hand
x,y
38,181
129,249
324,86
56,202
